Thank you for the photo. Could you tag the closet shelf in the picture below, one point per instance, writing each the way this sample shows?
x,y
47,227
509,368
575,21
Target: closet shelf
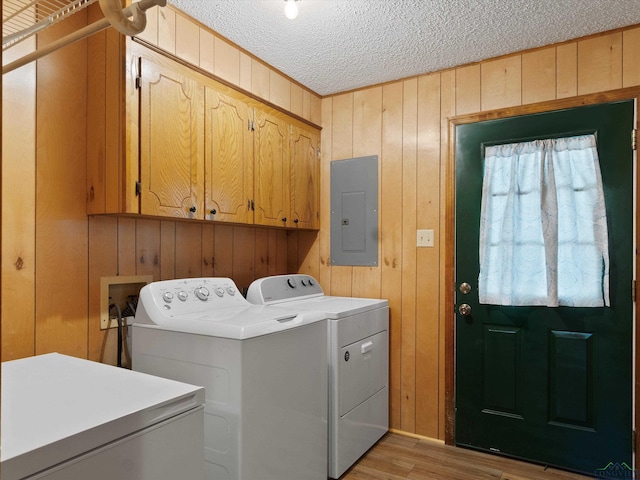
x,y
22,19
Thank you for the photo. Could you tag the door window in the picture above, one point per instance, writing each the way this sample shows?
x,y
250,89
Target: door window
x,y
543,225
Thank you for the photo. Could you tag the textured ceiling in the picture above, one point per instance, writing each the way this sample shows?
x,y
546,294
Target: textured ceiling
x,y
339,45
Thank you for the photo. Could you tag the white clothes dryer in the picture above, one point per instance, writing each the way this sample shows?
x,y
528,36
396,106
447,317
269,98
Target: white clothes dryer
x,y
264,373
358,330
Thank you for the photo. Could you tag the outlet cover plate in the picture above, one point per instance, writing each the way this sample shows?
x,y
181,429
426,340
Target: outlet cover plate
x,y
424,238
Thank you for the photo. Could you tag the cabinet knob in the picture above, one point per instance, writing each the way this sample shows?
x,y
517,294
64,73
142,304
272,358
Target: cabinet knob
x,y
213,211
192,209
284,219
296,221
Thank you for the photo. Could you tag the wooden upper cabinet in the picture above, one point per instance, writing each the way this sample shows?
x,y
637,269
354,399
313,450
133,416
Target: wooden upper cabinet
x,y
305,177
228,158
171,145
179,143
271,169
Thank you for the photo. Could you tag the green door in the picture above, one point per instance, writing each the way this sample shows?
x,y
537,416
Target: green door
x,y
552,385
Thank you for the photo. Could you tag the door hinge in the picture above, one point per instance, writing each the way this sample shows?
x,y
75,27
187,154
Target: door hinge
x,y
634,139
319,154
251,126
138,82
634,286
138,188
634,441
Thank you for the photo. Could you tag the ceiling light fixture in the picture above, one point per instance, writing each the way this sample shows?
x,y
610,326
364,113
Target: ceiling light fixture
x,y
291,9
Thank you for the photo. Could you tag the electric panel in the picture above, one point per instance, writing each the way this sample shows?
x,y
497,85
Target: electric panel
x,y
354,211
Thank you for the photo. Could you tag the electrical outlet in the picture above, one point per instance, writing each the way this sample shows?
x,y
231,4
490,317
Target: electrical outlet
x,y
425,238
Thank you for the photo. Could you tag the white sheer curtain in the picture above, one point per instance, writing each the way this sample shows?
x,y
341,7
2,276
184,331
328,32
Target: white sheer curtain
x,y
543,225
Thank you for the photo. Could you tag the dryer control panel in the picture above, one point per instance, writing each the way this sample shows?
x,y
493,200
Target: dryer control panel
x,y
281,288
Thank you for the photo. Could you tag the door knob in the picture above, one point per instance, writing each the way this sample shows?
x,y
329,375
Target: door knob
x,y
464,309
464,288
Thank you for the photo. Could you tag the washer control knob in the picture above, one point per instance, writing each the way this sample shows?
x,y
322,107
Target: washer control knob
x,y
182,295
291,282
310,282
167,297
231,291
202,293
303,282
219,291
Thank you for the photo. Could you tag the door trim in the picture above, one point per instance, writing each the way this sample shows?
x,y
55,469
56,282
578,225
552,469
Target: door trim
x,y
632,93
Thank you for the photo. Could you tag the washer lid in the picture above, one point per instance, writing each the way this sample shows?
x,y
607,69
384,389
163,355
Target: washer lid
x,y
235,323
55,407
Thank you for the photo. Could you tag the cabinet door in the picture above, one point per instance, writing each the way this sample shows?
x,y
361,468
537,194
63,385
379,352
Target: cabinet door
x,y
305,177
271,163
171,165
228,158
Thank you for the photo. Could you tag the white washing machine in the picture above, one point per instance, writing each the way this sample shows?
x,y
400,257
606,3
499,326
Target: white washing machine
x,y
264,373
358,355
64,418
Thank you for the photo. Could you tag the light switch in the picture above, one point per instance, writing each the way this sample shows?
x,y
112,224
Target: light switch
x,y
425,238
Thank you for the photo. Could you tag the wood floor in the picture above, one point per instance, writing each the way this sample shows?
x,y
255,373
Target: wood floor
x,y
398,457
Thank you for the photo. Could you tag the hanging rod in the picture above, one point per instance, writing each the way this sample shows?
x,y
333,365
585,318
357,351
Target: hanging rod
x,y
20,22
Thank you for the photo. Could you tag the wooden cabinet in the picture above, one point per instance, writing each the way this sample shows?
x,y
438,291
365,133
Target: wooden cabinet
x,y
171,145
305,177
228,157
261,166
271,161
197,148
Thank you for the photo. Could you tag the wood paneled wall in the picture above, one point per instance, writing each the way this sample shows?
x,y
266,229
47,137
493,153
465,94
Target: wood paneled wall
x,y
44,218
18,206
406,124
53,254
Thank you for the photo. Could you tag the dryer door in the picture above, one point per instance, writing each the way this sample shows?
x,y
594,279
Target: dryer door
x,y
363,370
